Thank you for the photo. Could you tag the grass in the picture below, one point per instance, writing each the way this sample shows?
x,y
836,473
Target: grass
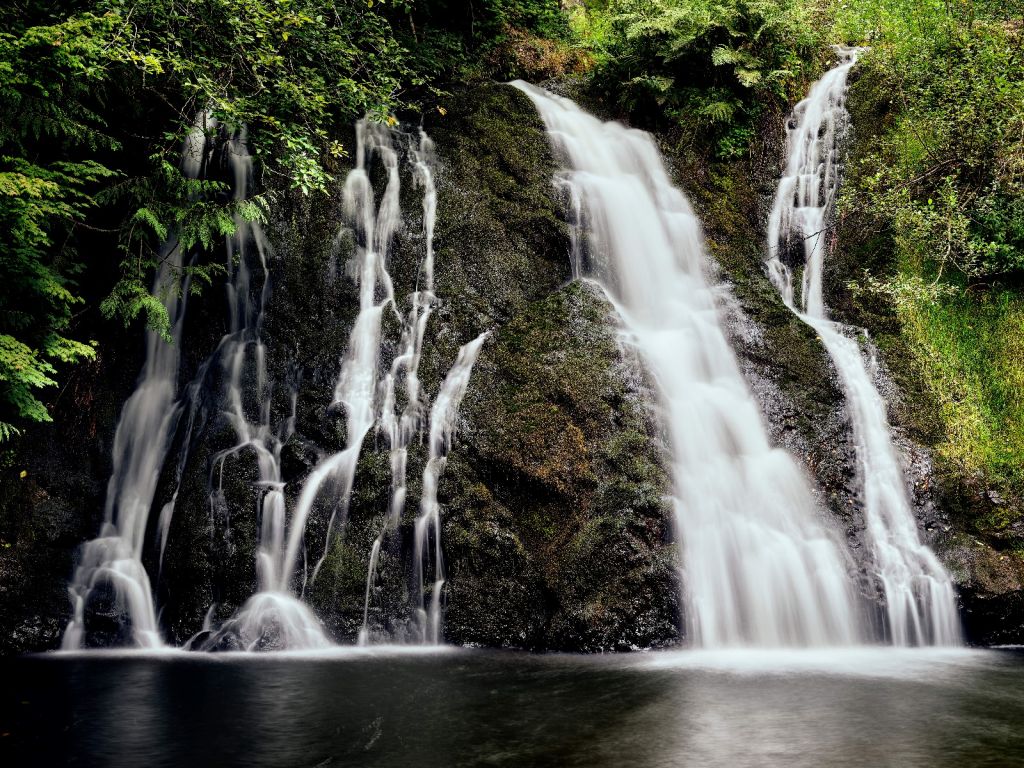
x,y
970,348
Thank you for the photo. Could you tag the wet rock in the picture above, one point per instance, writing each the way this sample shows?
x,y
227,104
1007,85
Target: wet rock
x,y
558,530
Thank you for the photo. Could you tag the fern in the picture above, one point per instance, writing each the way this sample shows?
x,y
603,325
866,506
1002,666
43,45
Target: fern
x,y
8,431
722,58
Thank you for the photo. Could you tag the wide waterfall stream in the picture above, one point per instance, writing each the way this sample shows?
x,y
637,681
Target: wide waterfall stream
x,y
760,566
144,430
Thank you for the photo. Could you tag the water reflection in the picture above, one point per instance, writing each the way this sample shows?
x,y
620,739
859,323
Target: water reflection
x,y
877,708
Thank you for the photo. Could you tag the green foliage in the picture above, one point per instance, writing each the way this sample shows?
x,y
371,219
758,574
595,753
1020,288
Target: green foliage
x,y
944,180
94,104
708,65
502,39
971,349
544,17
948,174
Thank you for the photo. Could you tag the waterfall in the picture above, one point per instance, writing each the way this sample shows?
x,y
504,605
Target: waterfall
x,y
443,418
760,567
400,423
272,615
275,615
374,228
244,343
141,440
919,597
394,402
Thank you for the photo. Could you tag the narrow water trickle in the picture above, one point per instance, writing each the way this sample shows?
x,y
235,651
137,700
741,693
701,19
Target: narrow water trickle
x,y
397,423
374,228
273,615
919,596
760,567
400,424
429,559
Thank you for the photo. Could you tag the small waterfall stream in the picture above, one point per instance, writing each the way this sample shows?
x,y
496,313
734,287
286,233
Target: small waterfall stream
x,y
760,566
141,440
275,617
248,398
374,227
399,424
919,597
428,525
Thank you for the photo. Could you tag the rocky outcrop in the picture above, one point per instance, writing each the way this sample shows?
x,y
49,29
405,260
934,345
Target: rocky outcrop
x,y
558,522
556,531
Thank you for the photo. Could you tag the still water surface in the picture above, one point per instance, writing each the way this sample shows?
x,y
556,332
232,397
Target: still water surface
x,y
476,708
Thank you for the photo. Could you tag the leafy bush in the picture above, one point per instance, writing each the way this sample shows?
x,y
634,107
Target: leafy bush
x,y
504,39
94,104
948,175
706,64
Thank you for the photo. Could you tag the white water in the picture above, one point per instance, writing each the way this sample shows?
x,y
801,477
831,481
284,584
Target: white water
x,y
244,346
275,615
399,424
272,616
920,602
141,441
443,419
759,566
374,227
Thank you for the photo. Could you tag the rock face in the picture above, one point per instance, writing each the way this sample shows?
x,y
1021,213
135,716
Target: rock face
x,y
556,530
557,523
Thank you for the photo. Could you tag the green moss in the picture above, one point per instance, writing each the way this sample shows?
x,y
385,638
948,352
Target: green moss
x,y
574,483
343,572
969,350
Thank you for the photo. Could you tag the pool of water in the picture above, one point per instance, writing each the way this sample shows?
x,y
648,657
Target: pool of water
x,y
458,707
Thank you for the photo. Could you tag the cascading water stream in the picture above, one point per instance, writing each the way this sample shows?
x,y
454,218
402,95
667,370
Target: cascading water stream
x,y
760,567
443,419
920,602
141,440
244,342
400,424
272,611
374,229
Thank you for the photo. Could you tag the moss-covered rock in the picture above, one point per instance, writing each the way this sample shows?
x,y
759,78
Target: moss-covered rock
x,y
557,527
